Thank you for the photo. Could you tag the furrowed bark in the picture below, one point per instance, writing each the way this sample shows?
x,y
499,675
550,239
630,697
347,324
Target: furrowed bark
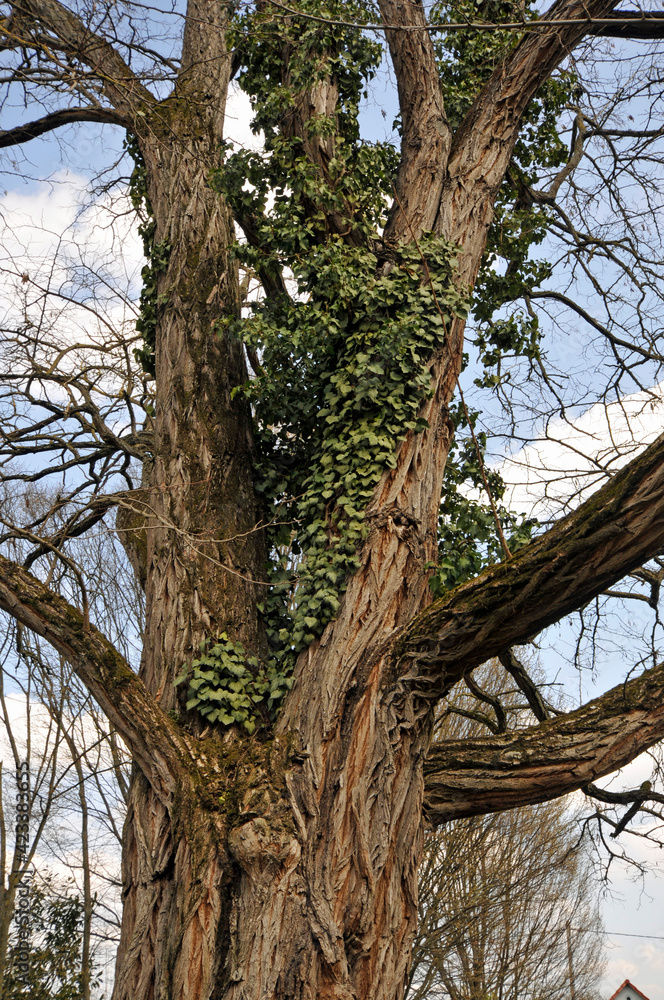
x,y
488,774
154,739
205,552
618,529
426,135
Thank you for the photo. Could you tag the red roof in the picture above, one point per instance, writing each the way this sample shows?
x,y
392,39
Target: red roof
x,y
630,986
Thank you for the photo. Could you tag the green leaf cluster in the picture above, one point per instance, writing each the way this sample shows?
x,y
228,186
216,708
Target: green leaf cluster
x,y
157,254
55,923
467,535
227,686
344,376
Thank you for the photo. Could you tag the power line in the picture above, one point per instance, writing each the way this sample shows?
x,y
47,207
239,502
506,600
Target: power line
x,y
589,930
627,20
650,937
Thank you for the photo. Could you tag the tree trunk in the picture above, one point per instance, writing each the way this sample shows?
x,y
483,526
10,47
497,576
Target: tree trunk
x,y
264,883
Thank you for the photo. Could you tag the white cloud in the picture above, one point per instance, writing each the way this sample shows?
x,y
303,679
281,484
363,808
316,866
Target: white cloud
x,y
70,271
57,227
557,471
573,457
239,115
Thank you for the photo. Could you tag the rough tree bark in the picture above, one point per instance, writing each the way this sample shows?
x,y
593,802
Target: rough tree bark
x,y
287,868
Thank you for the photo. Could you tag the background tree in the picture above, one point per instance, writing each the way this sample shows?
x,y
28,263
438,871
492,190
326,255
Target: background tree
x,y
55,967
509,902
280,723
76,773
497,896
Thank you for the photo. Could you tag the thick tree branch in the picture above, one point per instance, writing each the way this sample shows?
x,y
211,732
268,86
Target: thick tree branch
x,y
626,798
483,143
23,133
153,738
491,773
426,135
618,529
47,24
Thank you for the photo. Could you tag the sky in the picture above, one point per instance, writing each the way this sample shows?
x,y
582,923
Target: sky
x,y
538,483
537,476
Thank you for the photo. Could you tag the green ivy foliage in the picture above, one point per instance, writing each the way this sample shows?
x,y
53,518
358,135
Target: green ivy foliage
x,y
157,254
227,686
343,360
342,371
467,536
345,375
314,50
356,181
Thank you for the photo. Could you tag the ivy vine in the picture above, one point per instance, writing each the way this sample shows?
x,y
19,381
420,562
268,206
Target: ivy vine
x,y
341,370
157,254
467,537
229,687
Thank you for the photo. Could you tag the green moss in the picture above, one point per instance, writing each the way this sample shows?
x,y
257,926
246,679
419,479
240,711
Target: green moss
x,y
231,782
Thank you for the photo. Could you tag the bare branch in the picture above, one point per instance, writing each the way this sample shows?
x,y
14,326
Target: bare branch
x,y
47,24
23,133
488,699
517,670
74,526
634,24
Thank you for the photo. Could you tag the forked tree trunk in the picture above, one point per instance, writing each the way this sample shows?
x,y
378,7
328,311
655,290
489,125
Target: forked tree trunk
x,y
287,868
266,883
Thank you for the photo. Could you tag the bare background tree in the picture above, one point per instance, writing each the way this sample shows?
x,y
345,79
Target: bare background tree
x,y
509,903
497,895
78,773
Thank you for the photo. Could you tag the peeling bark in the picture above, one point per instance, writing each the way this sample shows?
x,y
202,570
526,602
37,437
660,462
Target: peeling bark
x,y
286,868
488,774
